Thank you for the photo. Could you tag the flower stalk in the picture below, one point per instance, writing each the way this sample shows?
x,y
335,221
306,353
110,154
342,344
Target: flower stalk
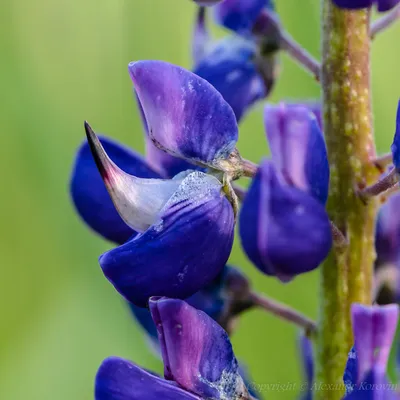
x,y
346,276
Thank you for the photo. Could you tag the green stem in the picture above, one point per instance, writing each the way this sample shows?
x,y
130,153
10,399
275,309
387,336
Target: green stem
x,y
346,276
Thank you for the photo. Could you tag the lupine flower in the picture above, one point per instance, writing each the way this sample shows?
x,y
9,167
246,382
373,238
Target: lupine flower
x,y
382,5
199,362
306,353
374,328
233,66
396,141
284,230
298,148
241,15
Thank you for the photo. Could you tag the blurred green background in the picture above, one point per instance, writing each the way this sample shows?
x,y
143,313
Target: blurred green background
x,y
66,61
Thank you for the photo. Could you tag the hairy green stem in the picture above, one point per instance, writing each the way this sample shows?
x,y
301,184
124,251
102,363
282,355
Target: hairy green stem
x,y
346,276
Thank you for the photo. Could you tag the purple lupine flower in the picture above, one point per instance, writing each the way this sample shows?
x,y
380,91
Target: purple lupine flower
x,y
396,141
284,230
382,5
374,328
172,217
241,15
298,148
306,353
198,361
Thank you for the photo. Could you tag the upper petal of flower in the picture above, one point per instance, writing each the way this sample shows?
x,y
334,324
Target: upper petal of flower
x,y
240,15
283,230
396,141
90,196
374,328
230,67
183,251
119,379
185,115
196,351
298,148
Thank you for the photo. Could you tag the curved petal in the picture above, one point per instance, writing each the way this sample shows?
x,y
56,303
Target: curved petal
x,y
138,201
186,115
197,352
374,328
182,252
239,15
298,148
230,68
143,317
119,379
386,5
396,141
90,196
284,231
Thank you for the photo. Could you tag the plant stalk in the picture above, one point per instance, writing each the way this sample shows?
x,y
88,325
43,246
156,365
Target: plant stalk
x,y
346,276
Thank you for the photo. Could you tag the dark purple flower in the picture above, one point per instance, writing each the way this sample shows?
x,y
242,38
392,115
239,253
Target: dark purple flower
x,y
374,328
196,351
298,148
241,15
185,115
306,352
233,67
382,5
396,141
186,231
284,231
198,359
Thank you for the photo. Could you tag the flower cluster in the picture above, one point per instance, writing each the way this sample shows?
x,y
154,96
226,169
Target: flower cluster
x,y
172,213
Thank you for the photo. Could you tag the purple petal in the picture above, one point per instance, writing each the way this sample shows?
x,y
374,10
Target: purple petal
x,y
396,141
284,231
353,4
197,352
186,115
298,148
312,105
183,251
239,15
386,5
119,379
90,196
201,36
387,236
231,69
374,328
306,352
351,371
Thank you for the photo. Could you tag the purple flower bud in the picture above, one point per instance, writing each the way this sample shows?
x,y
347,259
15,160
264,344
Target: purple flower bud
x,y
196,351
180,219
90,196
382,5
241,15
185,115
119,379
396,141
387,237
231,68
284,231
298,148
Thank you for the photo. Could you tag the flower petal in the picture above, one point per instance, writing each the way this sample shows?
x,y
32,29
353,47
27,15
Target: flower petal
x,y
230,68
374,328
239,15
298,148
90,196
186,115
306,351
283,230
396,141
197,352
183,251
353,4
138,201
386,5
119,379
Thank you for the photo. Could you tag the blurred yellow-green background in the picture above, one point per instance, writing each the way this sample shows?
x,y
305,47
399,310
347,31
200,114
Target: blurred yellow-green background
x,y
66,61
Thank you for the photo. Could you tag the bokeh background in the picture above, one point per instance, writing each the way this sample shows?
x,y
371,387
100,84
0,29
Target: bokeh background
x,y
66,61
